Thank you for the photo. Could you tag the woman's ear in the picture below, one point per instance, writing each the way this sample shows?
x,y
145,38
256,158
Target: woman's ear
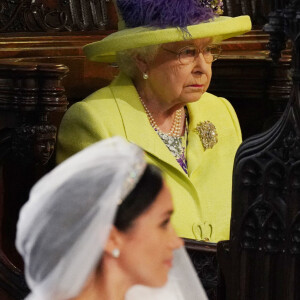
x,y
114,241
141,64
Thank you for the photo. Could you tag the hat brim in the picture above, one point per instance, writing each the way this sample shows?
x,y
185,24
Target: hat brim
x,y
220,28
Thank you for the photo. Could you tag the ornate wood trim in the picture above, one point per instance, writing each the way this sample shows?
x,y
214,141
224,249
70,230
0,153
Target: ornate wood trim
x,y
52,16
261,259
204,259
93,15
30,95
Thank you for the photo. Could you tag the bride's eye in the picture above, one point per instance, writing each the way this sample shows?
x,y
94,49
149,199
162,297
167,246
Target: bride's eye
x,y
165,223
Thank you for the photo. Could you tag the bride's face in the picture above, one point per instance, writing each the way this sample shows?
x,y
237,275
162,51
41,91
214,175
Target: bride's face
x,y
147,252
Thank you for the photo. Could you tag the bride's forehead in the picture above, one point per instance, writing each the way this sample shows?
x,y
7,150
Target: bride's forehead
x,y
197,42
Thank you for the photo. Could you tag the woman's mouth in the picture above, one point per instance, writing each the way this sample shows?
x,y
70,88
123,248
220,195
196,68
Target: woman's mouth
x,y
169,263
199,86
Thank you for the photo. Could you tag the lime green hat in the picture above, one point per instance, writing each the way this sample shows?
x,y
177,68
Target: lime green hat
x,y
201,21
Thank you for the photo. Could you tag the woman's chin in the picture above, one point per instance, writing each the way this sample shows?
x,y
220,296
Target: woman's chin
x,y
193,95
194,98
159,281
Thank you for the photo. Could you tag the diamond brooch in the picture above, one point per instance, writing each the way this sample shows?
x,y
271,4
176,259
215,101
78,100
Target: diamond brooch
x,y
207,133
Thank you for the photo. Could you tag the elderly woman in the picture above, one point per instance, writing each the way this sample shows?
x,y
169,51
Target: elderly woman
x,y
98,227
159,101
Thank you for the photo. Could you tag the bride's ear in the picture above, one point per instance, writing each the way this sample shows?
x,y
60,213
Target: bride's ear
x,y
114,241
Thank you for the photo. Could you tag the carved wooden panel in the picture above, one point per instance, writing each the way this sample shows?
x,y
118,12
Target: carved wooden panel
x,y
31,98
258,10
90,15
261,260
204,258
55,15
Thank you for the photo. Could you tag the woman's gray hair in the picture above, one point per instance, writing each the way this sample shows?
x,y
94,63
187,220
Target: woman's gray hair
x,y
126,60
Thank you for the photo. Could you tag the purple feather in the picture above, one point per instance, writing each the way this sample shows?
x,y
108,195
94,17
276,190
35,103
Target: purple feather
x,y
167,13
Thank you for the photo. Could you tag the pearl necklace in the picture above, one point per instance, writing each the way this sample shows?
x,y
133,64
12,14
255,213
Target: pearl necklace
x,y
176,125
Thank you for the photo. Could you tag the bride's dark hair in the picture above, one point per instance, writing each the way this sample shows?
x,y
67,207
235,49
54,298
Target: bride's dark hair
x,y
140,198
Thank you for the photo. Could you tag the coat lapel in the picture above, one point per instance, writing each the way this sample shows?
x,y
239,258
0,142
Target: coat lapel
x,y
136,124
195,150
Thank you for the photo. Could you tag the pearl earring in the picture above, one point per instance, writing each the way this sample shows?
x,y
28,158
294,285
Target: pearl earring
x,y
115,253
145,76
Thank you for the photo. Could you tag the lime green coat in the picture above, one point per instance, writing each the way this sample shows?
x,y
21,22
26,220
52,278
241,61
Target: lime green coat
x,y
202,199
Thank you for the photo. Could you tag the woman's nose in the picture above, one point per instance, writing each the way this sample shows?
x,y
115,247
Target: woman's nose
x,y
200,63
201,66
176,241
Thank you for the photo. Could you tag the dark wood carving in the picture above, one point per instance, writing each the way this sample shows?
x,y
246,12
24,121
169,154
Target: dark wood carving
x,y
257,9
43,16
261,260
204,259
91,15
275,28
31,97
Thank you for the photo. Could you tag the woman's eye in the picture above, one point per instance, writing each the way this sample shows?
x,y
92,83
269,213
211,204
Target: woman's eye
x,y
213,49
189,52
207,50
165,223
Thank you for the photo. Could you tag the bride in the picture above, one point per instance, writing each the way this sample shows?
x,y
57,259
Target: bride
x,y
98,227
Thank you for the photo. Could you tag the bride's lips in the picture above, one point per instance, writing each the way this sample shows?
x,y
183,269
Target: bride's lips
x,y
169,262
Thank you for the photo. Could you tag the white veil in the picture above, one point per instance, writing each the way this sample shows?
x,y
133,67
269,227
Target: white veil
x,y
183,283
72,207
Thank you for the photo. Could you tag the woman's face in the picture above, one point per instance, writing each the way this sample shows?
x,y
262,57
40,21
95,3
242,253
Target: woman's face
x,y
147,248
176,83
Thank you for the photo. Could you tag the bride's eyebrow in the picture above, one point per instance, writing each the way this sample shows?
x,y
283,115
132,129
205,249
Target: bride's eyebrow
x,y
168,213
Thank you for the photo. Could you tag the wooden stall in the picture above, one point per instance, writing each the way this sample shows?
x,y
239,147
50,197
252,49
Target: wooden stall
x,y
261,259
42,69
